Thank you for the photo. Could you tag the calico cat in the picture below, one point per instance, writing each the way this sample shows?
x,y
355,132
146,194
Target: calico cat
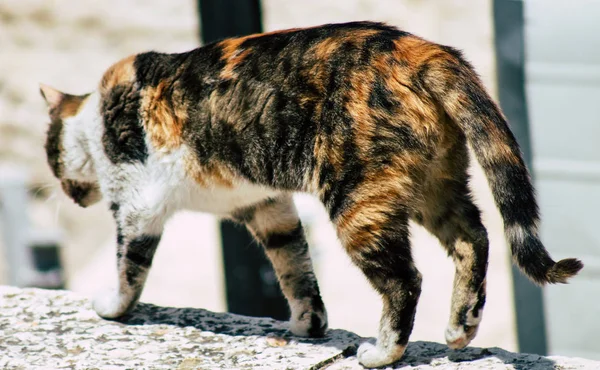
x,y
374,121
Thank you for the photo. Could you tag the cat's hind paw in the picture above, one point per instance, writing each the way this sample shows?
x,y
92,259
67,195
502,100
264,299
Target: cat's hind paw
x,y
309,324
110,304
372,356
460,337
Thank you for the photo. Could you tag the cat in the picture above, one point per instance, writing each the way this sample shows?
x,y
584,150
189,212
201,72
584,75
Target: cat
x,y
374,121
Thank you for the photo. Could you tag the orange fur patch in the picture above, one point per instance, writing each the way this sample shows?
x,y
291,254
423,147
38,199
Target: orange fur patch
x,y
213,175
357,106
325,48
275,218
360,225
70,105
122,72
414,50
236,58
378,197
233,55
163,116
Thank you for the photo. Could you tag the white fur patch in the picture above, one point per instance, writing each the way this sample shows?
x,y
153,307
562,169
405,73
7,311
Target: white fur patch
x,y
222,201
455,337
385,351
370,355
77,156
110,304
157,188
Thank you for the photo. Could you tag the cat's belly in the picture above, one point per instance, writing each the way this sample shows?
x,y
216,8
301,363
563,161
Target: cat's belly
x,y
222,201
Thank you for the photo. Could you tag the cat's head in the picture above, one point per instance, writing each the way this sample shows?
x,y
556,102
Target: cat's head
x,y
67,150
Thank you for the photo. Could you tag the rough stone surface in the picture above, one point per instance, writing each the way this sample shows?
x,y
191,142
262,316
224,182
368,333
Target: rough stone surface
x,y
428,355
58,329
42,329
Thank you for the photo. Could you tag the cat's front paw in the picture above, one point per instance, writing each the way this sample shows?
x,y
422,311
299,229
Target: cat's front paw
x,y
372,356
110,304
309,324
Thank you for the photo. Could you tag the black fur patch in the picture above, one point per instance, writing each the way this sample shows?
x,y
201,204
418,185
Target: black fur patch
x,y
54,147
152,68
246,214
279,240
114,207
462,315
78,190
140,252
120,237
124,135
382,97
480,301
317,326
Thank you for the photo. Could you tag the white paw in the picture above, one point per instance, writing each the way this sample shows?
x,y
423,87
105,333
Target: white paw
x,y
110,304
371,356
455,337
458,338
309,324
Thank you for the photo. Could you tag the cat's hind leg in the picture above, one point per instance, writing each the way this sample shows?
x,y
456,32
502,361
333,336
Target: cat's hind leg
x,y
275,224
138,235
375,234
450,214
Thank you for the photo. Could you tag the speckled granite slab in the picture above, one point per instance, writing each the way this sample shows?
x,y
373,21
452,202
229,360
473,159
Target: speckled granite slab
x,y
41,329
59,330
427,356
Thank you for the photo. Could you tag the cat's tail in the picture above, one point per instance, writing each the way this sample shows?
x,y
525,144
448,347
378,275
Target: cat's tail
x,y
455,85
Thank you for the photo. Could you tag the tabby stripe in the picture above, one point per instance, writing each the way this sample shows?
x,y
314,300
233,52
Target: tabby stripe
x,y
141,250
278,240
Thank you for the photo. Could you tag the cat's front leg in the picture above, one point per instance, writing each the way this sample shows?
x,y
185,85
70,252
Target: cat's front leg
x,y
137,239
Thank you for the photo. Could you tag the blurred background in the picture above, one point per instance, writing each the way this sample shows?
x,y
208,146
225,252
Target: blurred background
x,y
539,58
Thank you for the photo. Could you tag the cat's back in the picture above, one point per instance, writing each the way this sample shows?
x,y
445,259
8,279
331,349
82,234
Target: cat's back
x,y
272,107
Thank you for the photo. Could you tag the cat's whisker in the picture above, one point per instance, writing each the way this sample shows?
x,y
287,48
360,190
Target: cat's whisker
x,y
42,188
56,214
53,196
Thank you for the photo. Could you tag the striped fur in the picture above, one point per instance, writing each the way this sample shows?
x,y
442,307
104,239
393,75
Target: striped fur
x,y
374,121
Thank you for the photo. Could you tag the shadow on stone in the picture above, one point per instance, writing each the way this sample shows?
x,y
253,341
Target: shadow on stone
x,y
234,325
417,353
429,353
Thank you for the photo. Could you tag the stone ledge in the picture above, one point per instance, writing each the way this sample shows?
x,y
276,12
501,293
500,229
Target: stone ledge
x,y
42,329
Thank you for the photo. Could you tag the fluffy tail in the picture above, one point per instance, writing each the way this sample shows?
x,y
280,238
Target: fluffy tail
x,y
455,85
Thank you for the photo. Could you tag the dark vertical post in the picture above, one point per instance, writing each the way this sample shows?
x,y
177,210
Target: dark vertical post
x,y
510,64
251,285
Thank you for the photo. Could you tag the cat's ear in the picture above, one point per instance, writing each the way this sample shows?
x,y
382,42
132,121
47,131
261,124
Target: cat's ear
x,y
52,96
